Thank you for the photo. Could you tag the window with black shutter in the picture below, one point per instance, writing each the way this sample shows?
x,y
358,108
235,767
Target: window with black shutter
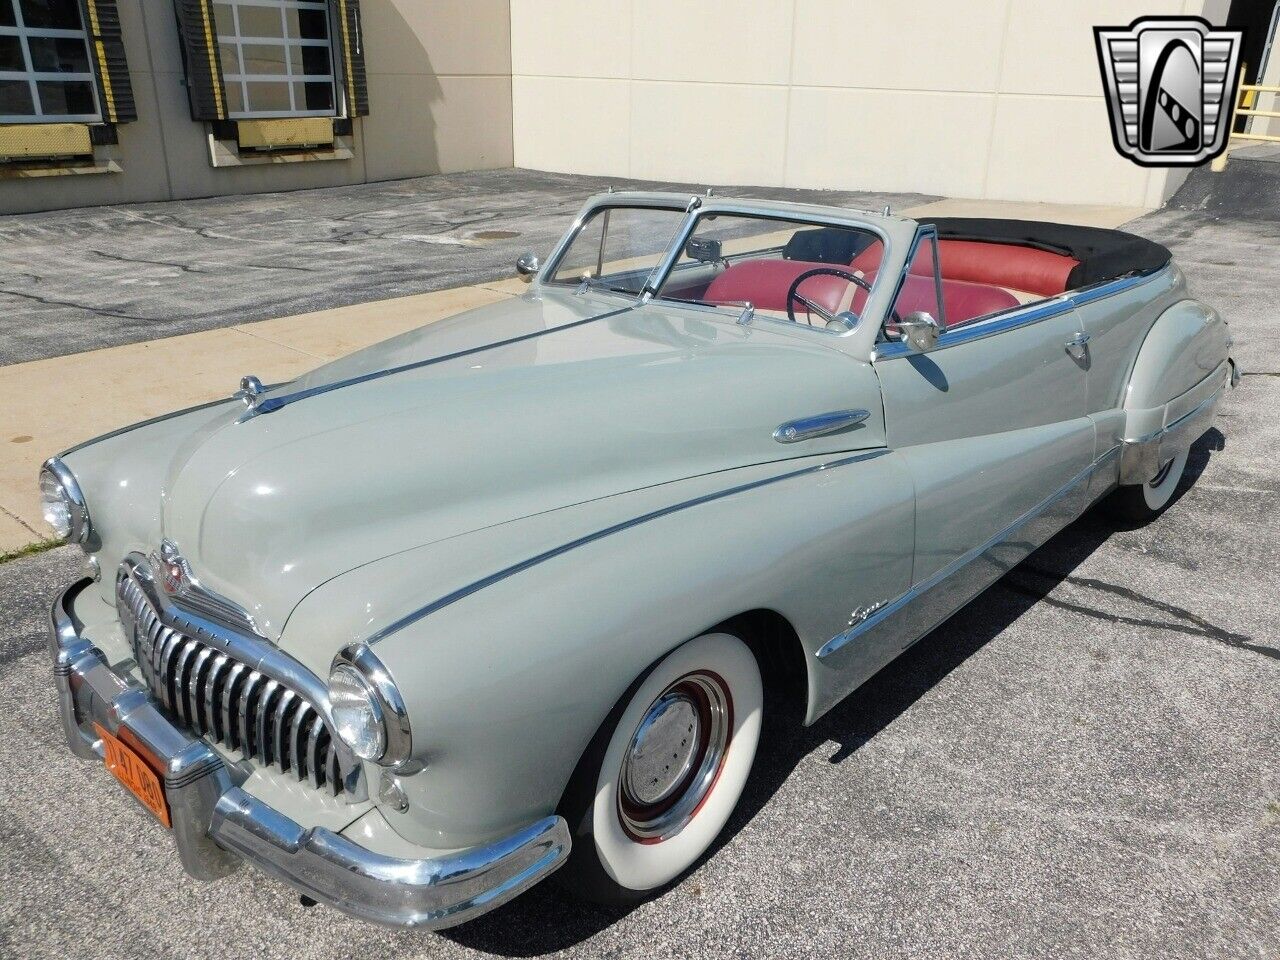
x,y
272,59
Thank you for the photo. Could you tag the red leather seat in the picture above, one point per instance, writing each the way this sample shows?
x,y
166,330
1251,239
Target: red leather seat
x,y
765,283
964,302
998,264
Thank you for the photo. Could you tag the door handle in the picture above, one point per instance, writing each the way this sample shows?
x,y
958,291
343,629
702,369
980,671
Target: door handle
x,y
805,428
1078,345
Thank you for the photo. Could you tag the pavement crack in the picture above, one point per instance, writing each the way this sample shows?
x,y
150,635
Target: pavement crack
x,y
1260,373
52,302
185,268
13,516
22,646
1184,621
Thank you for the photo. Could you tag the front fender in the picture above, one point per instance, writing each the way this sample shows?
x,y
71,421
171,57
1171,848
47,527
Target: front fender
x,y
534,629
122,475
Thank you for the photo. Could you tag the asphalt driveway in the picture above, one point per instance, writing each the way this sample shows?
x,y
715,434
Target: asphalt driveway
x,y
73,280
1082,762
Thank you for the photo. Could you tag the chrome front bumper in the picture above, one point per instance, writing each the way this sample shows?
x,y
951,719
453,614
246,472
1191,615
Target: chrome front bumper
x,y
216,824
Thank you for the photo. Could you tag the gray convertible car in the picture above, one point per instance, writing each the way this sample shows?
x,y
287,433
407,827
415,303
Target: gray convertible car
x,y
512,593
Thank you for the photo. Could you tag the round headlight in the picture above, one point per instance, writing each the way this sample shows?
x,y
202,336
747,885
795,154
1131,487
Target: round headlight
x,y
62,502
367,708
356,713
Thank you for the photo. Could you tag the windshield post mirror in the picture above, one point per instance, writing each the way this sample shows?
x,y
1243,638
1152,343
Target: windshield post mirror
x,y
920,330
527,266
843,322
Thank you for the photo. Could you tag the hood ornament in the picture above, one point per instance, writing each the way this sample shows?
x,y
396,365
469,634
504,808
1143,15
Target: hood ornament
x,y
250,389
175,574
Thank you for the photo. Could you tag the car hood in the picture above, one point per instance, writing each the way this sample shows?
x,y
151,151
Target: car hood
x,y
507,411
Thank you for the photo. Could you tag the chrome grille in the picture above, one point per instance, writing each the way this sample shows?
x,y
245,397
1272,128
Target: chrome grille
x,y
221,697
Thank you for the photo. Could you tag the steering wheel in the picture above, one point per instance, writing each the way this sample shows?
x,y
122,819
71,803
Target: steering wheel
x,y
810,307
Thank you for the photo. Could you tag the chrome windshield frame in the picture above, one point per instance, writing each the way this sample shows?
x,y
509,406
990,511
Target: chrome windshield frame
x,y
895,233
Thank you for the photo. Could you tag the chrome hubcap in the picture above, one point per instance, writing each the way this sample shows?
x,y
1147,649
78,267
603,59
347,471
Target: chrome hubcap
x,y
674,757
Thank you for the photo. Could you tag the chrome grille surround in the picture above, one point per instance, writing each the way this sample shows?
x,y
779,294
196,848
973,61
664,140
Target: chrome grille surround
x,y
232,687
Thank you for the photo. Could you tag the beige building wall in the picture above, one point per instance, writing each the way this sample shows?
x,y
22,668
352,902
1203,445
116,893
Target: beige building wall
x,y
439,76
996,99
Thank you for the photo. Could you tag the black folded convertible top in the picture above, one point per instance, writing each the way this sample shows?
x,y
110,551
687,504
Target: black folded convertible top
x,y
1103,254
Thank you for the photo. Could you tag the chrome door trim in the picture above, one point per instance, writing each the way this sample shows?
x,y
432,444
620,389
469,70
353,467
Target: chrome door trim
x,y
523,565
1023,315
955,566
818,425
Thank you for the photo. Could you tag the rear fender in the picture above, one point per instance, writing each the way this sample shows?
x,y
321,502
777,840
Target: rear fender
x,y
1177,382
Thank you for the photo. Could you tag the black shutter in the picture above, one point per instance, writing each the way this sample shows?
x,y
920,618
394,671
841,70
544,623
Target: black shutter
x,y
350,48
102,22
199,39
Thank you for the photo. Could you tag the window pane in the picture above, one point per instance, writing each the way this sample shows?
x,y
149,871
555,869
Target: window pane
x,y
58,55
308,24
58,14
260,22
15,99
315,60
268,97
230,58
314,96
260,58
11,51
235,98
224,20
6,14
62,98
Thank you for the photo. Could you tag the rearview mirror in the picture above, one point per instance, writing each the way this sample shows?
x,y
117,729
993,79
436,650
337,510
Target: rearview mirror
x,y
527,265
920,330
704,250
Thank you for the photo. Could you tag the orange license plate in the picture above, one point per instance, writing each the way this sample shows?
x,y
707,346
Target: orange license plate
x,y
131,770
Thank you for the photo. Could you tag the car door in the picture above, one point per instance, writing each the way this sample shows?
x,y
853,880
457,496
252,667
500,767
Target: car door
x,y
992,425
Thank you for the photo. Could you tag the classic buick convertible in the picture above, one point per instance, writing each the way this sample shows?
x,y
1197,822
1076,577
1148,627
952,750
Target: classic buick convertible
x,y
512,593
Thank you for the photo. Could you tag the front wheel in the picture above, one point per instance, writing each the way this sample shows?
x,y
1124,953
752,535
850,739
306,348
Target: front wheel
x,y
1143,502
656,787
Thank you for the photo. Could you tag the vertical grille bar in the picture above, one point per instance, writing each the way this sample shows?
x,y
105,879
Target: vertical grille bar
x,y
315,758
280,741
207,689
230,728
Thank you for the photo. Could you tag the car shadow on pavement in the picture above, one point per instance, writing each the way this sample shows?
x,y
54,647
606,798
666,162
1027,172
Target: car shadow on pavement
x,y
547,919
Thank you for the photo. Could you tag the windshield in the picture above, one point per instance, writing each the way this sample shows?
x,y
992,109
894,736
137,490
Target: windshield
x,y
787,269
618,247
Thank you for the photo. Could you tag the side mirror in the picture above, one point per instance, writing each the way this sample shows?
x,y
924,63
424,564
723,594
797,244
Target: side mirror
x,y
920,330
527,266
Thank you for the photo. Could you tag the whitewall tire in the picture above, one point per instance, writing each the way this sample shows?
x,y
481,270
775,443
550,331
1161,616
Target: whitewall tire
x,y
660,783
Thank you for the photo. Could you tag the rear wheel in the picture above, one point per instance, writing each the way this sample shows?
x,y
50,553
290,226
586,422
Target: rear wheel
x,y
1143,502
660,780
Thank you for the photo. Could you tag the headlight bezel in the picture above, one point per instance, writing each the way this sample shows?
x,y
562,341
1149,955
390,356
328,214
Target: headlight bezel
x,y
79,524
386,700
